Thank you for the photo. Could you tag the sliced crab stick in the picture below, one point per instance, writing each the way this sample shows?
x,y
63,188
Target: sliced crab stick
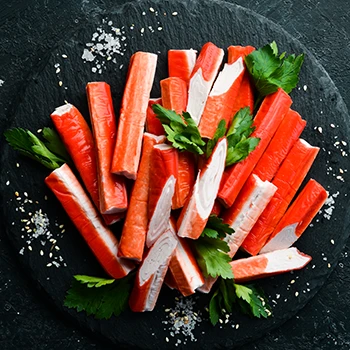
x,y
298,217
219,105
264,265
174,94
153,124
216,208
184,268
134,232
202,78
250,203
77,138
133,112
208,284
195,213
288,180
286,135
181,63
245,96
174,97
270,115
150,276
163,170
83,214
112,190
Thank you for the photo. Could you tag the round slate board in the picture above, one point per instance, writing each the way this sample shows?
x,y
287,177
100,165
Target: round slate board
x,y
172,24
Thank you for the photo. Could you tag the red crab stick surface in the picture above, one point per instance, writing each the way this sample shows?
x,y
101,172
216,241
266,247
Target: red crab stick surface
x,y
77,138
250,203
181,63
183,267
202,78
174,97
133,111
195,213
83,214
112,190
150,276
220,101
269,264
153,124
286,135
267,120
298,217
245,96
134,232
288,180
163,170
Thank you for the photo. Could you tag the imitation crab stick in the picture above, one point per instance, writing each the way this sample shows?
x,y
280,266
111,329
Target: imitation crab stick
x,y
133,111
112,190
83,214
195,213
77,138
208,284
163,170
202,78
269,264
181,63
183,267
219,105
288,180
250,203
298,217
269,117
174,97
153,124
286,135
150,276
134,232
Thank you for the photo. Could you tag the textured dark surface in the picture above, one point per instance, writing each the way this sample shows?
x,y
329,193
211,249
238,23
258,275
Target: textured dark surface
x,y
29,36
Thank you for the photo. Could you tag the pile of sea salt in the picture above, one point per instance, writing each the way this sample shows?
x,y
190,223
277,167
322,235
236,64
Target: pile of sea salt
x,y
182,320
106,43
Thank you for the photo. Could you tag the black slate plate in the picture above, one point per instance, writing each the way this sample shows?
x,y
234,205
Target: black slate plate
x,y
317,101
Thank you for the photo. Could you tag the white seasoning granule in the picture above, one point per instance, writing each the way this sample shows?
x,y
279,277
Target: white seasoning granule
x,y
175,13
332,125
151,9
160,28
320,129
332,241
60,83
64,56
17,165
296,294
7,182
305,87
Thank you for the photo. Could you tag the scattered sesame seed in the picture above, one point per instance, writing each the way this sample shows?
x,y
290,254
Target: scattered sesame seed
x,y
160,28
60,83
64,56
237,326
41,252
320,129
292,281
167,339
151,9
17,165
30,248
305,87
49,265
332,125
16,194
296,294
175,13
332,241
7,182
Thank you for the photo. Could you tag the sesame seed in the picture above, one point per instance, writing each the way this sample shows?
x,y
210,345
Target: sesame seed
x,y
30,248
60,83
64,56
305,87
41,253
167,339
151,9
16,194
58,70
237,326
296,294
332,126
332,241
174,13
17,165
292,281
49,265
160,28
7,182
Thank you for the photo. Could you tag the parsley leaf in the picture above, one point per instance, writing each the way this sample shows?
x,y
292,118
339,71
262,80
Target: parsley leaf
x,y
270,71
220,132
181,132
239,143
212,258
216,228
30,145
229,296
103,301
54,143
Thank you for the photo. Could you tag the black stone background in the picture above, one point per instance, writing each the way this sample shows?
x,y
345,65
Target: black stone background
x,y
28,29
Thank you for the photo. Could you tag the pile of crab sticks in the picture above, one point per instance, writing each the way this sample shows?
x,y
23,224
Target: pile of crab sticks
x,y
174,191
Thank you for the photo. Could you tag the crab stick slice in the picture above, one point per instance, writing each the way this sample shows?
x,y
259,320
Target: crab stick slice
x,y
83,214
208,284
183,267
267,120
112,190
288,180
219,105
153,124
181,63
286,135
202,78
134,232
250,203
245,95
150,276
298,217
216,208
264,265
133,111
161,190
77,138
195,213
174,94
